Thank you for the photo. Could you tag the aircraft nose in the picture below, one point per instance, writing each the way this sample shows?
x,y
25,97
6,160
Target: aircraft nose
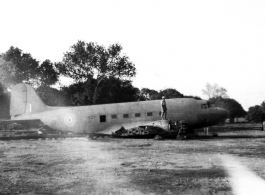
x,y
224,114
217,115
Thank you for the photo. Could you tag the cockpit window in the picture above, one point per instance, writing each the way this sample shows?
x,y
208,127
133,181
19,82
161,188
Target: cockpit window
x,y
210,105
204,106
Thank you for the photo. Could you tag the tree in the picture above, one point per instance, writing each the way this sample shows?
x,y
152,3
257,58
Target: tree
x,y
215,90
7,73
17,67
256,114
149,94
47,75
235,109
77,93
87,61
263,105
114,90
1,89
4,105
191,96
53,97
170,93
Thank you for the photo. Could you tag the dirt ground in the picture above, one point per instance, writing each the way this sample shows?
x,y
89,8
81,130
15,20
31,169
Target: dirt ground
x,y
127,166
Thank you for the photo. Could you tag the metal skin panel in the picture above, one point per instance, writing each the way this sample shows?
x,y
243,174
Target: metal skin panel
x,y
25,100
34,102
86,119
18,100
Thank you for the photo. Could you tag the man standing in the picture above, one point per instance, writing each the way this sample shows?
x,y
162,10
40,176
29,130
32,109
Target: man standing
x,y
206,130
163,109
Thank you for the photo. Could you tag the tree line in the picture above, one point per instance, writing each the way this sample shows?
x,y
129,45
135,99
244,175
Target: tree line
x,y
218,96
256,113
101,75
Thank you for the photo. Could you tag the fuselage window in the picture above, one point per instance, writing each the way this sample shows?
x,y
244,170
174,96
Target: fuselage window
x,y
137,114
102,118
114,116
149,114
125,115
204,106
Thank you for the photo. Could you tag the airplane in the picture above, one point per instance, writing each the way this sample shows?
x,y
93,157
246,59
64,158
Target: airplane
x,y
142,118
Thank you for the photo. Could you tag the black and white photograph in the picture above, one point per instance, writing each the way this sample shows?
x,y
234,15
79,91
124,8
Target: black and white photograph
x,y
132,97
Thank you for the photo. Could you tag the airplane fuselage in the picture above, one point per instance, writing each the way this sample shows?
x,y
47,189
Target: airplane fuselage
x,y
111,117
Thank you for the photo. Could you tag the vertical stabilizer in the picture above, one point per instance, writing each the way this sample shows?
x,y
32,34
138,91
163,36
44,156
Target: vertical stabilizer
x,y
24,100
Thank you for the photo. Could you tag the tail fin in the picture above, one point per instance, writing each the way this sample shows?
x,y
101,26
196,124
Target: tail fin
x,y
25,100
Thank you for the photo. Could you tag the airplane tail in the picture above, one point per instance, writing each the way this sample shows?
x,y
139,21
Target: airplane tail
x,y
25,100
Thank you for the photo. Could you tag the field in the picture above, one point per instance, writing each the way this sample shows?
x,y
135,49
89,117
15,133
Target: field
x,y
133,166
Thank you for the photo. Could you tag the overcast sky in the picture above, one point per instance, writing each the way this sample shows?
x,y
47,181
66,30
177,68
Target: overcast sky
x,y
177,44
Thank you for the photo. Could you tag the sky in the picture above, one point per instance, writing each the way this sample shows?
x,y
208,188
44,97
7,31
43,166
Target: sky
x,y
180,44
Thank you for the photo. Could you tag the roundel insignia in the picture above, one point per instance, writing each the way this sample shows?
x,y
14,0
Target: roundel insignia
x,y
70,120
